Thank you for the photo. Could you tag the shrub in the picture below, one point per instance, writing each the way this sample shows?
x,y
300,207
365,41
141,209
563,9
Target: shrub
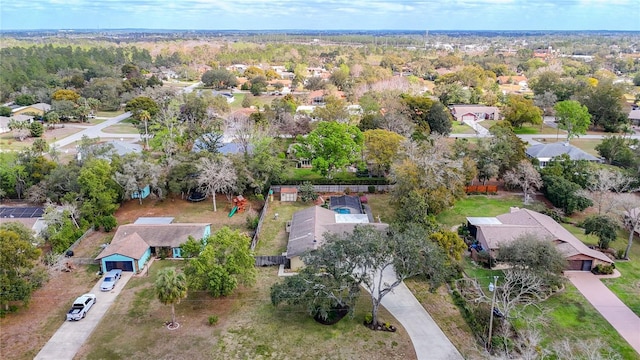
x,y
109,222
368,318
213,319
602,269
253,221
347,191
371,189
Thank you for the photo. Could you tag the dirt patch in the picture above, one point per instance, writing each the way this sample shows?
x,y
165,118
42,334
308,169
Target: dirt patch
x,y
184,211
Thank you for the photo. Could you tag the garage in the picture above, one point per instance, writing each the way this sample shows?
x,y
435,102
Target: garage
x,y
122,265
469,117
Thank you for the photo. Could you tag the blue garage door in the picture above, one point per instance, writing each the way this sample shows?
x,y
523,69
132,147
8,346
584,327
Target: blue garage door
x,y
122,265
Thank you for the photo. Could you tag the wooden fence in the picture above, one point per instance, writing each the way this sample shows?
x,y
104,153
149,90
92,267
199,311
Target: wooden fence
x,y
337,188
271,260
481,189
263,213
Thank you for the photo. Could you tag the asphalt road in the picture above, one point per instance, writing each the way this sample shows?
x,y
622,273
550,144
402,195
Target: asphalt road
x,y
66,342
93,131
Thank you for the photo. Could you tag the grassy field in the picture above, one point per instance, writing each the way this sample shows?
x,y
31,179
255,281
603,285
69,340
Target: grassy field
x,y
477,205
531,130
380,207
568,315
109,114
458,128
121,128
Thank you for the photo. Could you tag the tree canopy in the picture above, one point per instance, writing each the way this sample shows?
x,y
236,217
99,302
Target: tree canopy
x,y
225,262
331,147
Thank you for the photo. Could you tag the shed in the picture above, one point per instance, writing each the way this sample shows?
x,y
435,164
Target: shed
x,y
288,194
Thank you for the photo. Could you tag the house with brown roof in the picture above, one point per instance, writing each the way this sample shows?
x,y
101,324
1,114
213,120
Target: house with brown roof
x,y
134,244
309,225
463,112
512,79
492,232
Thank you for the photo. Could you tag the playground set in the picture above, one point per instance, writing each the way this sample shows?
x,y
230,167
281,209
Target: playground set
x,y
239,205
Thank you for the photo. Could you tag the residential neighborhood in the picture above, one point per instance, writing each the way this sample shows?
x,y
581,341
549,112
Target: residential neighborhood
x,y
320,195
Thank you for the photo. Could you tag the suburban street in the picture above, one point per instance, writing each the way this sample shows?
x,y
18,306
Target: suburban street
x,y
95,132
66,342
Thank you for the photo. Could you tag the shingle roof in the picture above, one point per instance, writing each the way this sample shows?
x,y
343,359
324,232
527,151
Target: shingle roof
x,y
556,149
523,221
131,245
127,237
634,114
308,227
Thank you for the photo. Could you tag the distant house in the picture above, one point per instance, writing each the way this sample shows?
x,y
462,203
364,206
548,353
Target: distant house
x,y
4,121
474,112
545,152
134,244
514,80
308,227
345,204
634,117
4,124
493,232
38,109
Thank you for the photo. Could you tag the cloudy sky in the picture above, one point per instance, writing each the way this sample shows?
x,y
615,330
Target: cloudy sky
x,y
322,14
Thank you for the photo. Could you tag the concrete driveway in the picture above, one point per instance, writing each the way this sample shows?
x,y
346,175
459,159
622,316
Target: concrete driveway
x,y
66,342
94,131
428,340
625,321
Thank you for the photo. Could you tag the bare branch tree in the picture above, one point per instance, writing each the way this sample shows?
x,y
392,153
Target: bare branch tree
x,y
630,214
604,187
581,349
216,175
137,173
524,176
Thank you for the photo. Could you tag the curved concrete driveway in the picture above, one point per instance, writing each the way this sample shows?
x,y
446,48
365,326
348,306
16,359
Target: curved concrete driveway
x,y
428,340
66,342
625,321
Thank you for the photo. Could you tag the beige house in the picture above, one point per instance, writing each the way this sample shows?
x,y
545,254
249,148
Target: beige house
x,y
491,232
308,227
37,109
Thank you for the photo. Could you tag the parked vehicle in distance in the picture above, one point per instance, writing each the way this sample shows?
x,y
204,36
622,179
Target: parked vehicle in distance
x,y
111,279
80,307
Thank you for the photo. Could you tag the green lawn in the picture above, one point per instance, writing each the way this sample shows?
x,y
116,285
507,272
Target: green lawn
x,y
380,206
121,128
626,286
458,128
109,114
273,237
535,129
568,315
477,205
237,101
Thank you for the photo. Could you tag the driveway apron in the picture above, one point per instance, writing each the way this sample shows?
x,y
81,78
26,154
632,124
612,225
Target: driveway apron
x,y
66,342
625,321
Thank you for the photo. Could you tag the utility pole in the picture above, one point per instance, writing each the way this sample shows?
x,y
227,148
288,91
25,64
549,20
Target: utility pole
x,y
493,287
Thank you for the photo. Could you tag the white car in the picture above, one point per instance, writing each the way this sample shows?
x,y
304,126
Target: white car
x,y
111,279
81,306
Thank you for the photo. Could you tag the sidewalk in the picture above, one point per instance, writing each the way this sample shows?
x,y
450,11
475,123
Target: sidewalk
x,y
625,321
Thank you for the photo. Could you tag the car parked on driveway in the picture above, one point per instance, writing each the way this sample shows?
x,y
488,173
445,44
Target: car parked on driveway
x,y
81,306
111,279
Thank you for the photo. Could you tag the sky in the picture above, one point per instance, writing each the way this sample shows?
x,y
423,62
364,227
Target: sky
x,y
322,14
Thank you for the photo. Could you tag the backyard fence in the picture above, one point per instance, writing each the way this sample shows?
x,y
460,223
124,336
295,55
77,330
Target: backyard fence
x,y
354,188
481,189
263,213
271,260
